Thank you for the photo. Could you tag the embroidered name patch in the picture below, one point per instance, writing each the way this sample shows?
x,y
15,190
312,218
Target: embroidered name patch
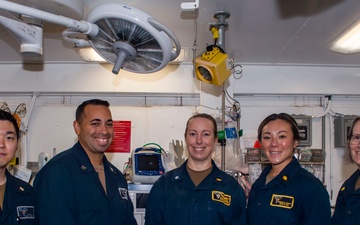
x,y
25,212
221,197
282,201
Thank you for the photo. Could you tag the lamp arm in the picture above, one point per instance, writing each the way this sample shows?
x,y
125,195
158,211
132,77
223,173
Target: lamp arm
x,y
28,36
82,26
22,32
78,42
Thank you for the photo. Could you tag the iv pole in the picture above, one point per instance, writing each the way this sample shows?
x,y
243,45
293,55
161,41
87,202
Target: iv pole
x,y
222,25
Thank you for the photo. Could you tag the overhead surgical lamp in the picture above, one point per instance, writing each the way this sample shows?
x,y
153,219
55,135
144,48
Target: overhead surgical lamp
x,y
213,66
123,35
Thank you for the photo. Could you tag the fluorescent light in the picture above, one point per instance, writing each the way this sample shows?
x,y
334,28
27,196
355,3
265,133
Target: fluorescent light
x,y
349,41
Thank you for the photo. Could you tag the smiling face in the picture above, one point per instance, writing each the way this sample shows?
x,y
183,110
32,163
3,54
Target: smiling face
x,y
200,140
353,145
95,129
8,142
277,142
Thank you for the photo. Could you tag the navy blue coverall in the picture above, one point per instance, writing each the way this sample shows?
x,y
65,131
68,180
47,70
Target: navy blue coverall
x,y
347,208
68,191
294,197
217,200
19,201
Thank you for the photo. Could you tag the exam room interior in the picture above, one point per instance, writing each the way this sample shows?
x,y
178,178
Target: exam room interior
x,y
283,50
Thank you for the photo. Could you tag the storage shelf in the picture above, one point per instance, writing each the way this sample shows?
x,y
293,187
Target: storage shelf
x,y
255,156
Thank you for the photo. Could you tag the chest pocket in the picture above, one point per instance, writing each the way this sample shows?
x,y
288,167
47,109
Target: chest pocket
x,y
275,211
197,211
281,210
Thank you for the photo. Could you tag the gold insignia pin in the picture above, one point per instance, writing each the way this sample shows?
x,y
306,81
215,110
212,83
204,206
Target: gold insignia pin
x,y
343,188
285,178
21,188
218,179
83,167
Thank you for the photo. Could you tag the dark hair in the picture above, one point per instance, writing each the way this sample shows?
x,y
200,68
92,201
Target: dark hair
x,y
9,117
282,116
202,115
348,155
80,109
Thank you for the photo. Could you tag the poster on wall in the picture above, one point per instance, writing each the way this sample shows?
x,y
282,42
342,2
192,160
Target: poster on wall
x,y
122,137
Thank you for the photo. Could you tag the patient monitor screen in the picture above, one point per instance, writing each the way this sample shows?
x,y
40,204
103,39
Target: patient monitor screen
x,y
148,162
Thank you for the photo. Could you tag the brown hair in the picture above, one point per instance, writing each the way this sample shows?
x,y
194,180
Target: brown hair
x,y
203,115
282,116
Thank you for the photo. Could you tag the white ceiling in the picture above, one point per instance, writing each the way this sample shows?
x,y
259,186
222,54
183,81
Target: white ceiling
x,y
291,32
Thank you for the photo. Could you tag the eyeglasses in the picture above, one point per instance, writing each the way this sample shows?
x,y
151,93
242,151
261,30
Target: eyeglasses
x,y
354,139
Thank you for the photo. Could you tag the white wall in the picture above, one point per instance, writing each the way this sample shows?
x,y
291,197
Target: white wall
x,y
51,127
159,104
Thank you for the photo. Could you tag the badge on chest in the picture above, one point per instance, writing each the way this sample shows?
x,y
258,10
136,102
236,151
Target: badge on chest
x,y
282,201
25,212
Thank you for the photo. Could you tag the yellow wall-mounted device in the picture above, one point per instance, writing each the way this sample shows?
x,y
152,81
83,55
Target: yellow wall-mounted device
x,y
213,66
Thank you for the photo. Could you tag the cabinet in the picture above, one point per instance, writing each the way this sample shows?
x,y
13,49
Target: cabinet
x,y
139,194
312,160
140,217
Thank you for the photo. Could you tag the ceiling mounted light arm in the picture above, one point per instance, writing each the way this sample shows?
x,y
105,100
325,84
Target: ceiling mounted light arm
x,y
82,26
75,38
29,36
